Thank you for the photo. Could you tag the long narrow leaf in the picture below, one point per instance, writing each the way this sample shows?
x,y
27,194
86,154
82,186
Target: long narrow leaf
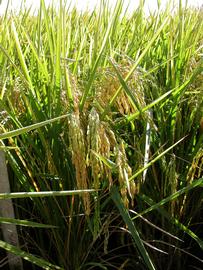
x,y
131,227
41,194
137,63
154,160
24,223
173,220
21,57
29,128
28,257
172,197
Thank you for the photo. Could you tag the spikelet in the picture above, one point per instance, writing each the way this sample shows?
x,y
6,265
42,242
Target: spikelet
x,y
110,84
195,172
17,97
172,178
107,145
100,140
124,173
77,143
196,169
93,144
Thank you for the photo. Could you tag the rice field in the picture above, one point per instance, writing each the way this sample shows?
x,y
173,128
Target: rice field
x,y
101,134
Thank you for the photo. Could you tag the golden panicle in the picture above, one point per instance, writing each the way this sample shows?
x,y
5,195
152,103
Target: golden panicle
x,y
75,92
93,144
124,173
196,169
99,141
77,143
110,85
105,149
16,96
195,172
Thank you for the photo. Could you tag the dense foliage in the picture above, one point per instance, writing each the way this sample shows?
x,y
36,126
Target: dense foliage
x,y
113,102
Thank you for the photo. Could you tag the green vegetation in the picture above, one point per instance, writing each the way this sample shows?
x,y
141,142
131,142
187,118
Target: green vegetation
x,y
101,121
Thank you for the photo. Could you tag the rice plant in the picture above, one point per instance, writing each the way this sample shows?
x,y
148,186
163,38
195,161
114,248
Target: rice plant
x,y
101,123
